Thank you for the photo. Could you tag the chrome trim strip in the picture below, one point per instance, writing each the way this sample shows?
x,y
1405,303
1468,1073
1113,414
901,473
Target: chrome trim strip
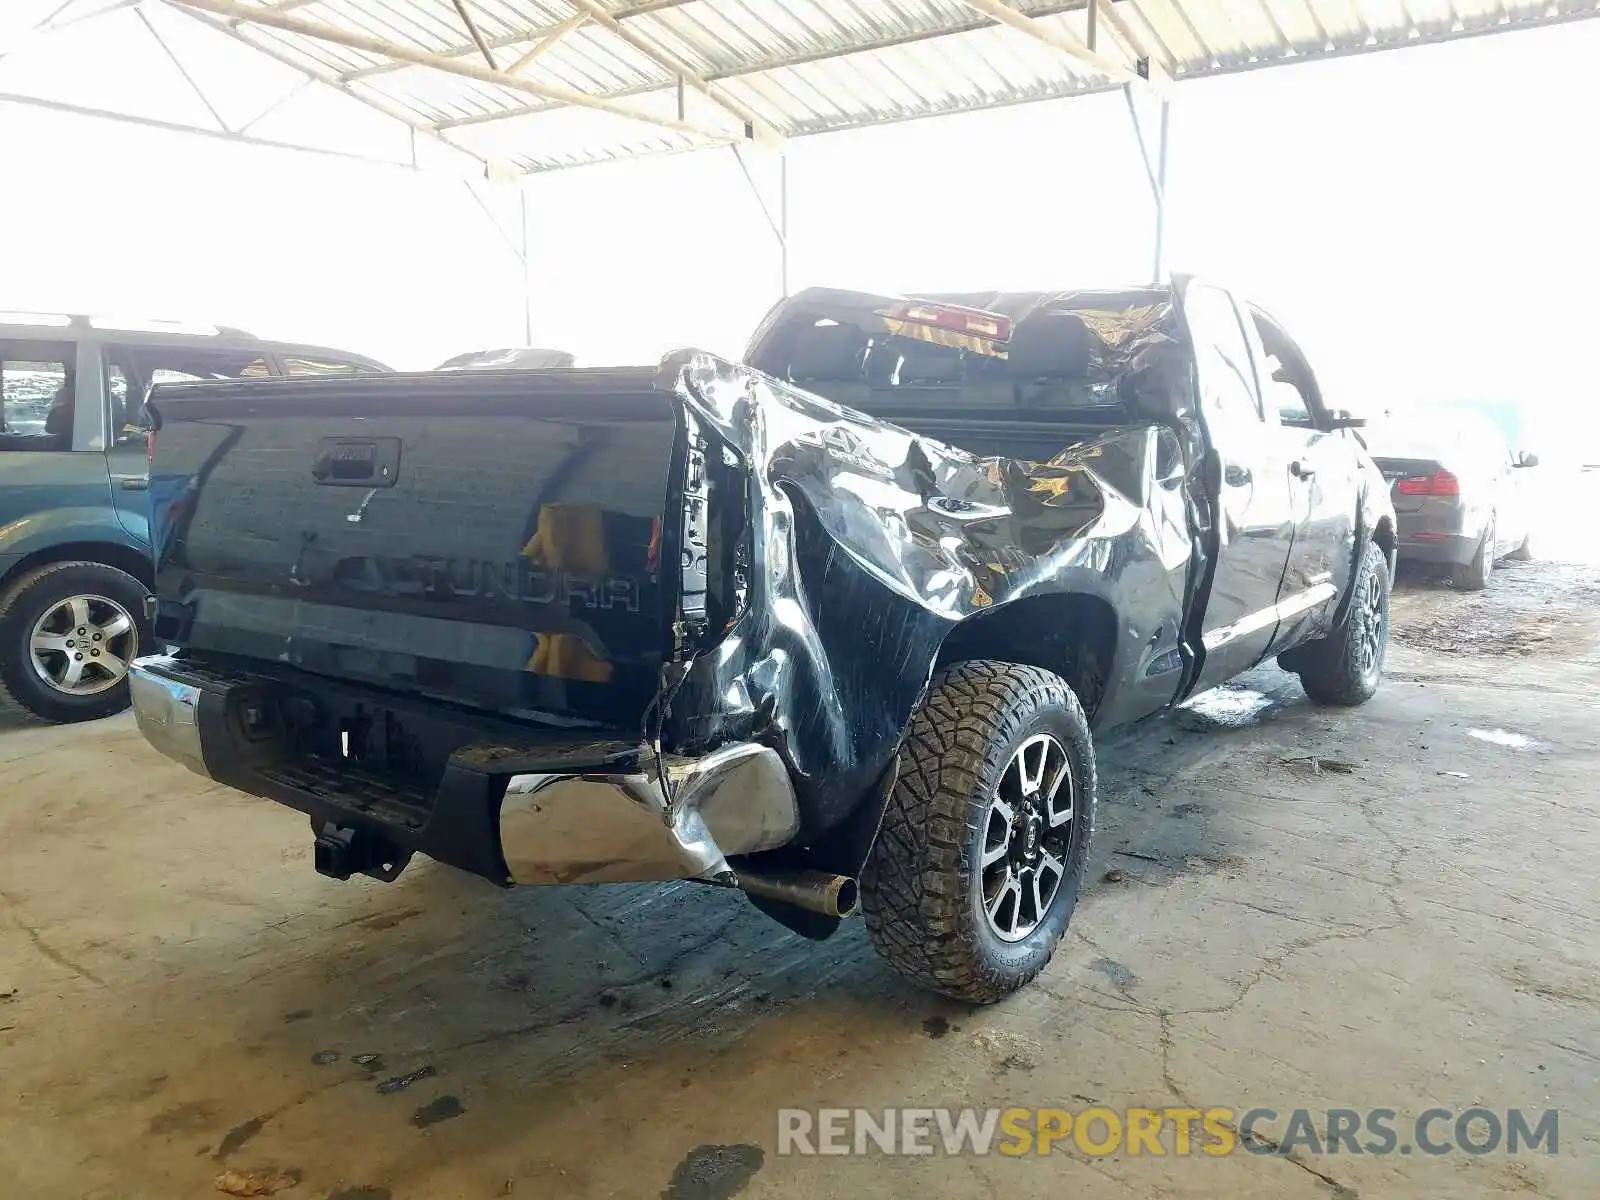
x,y
1262,617
1301,601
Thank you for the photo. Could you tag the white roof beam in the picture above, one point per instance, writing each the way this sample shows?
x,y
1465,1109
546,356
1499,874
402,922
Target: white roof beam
x,y
1002,12
201,131
177,62
472,32
236,14
781,61
322,75
685,76
501,41
1129,40
1168,58
49,24
547,43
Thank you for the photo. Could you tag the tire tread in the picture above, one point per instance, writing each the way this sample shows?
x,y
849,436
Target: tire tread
x,y
13,684
915,884
1330,668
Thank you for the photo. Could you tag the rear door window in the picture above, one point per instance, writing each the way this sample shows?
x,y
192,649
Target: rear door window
x,y
36,395
132,370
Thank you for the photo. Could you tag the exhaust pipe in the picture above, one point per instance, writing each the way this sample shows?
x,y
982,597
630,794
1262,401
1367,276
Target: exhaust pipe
x,y
817,891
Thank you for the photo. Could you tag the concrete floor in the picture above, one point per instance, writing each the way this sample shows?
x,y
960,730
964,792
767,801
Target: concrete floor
x,y
1259,932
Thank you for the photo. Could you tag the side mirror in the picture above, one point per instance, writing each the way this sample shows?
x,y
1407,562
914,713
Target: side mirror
x,y
1525,459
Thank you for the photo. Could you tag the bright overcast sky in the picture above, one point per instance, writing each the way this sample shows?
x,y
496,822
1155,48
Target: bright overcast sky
x,y
1423,220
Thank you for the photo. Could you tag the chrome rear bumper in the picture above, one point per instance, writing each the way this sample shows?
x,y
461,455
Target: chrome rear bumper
x,y
168,714
628,828
552,807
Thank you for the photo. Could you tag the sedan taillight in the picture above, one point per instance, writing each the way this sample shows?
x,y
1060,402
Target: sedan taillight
x,y
1440,483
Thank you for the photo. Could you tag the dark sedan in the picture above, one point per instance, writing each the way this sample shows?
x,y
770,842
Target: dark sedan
x,y
1460,495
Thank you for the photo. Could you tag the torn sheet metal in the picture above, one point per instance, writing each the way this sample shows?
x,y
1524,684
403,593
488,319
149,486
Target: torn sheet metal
x,y
866,545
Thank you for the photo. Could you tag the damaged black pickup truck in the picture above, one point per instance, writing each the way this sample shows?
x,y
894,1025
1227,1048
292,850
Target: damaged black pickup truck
x,y
832,627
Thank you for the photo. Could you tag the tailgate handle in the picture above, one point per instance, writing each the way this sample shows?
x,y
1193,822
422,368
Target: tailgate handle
x,y
357,462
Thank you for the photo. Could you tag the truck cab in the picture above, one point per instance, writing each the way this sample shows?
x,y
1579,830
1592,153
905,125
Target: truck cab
x,y
75,489
1284,495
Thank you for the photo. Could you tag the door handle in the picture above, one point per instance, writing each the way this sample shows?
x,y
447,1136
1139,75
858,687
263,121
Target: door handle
x,y
1236,476
1301,470
134,483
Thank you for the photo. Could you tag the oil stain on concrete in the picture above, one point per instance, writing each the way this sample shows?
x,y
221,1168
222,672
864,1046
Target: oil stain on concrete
x,y
443,1108
183,1118
714,1172
236,1137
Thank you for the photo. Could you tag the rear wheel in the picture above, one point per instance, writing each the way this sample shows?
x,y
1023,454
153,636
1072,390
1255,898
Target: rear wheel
x,y
67,634
1474,576
978,864
1346,666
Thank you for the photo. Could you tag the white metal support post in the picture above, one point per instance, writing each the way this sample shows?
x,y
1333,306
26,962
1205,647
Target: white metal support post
x,y
777,219
1160,268
518,245
527,266
1155,167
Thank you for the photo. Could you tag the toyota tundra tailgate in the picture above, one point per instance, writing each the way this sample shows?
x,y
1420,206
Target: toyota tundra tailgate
x,y
493,540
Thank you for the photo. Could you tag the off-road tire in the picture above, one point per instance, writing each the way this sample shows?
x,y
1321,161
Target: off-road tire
x,y
1333,669
25,600
1474,576
921,888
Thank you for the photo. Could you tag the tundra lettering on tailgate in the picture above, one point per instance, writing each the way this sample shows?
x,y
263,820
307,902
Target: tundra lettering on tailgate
x,y
443,578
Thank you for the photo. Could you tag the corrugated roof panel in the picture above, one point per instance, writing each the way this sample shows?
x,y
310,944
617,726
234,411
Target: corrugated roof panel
x,y
593,60
801,66
701,37
500,18
568,137
435,97
324,55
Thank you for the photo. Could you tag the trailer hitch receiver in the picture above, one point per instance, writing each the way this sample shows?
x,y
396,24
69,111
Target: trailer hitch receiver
x,y
342,851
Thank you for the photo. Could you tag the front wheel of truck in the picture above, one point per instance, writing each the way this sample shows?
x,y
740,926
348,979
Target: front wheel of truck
x,y
982,851
1346,666
67,634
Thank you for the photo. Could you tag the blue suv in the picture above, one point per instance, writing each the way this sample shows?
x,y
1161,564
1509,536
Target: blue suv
x,y
75,491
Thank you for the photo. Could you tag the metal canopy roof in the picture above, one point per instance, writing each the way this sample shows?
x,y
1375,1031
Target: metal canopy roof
x,y
534,85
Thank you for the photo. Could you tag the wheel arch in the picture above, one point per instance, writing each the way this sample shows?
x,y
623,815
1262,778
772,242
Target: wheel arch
x,y
1073,634
126,558
1384,535
1375,524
